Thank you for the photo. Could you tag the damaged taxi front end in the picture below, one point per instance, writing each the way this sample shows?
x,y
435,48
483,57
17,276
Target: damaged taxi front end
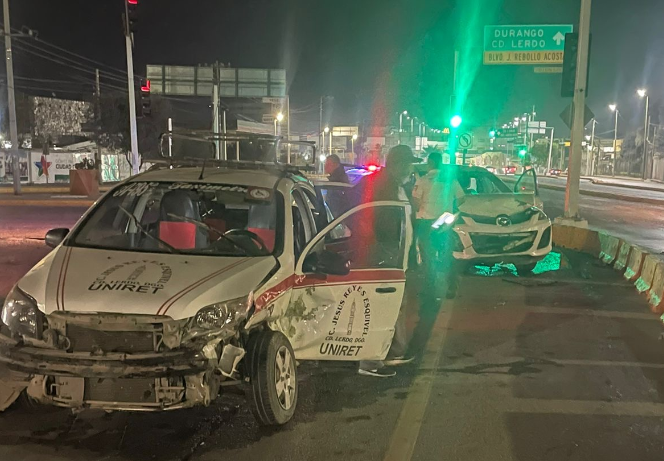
x,y
122,361
143,306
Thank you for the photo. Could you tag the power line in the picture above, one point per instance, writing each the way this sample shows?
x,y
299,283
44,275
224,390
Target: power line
x,y
71,64
41,42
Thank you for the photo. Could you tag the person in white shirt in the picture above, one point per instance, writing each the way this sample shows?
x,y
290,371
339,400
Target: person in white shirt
x,y
434,194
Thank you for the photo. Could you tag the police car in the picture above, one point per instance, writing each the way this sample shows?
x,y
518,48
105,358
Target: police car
x,y
196,276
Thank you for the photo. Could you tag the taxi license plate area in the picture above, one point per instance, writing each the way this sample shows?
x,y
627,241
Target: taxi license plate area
x,y
95,341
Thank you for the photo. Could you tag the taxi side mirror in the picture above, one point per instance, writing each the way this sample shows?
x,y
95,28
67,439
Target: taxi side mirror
x,y
326,262
54,237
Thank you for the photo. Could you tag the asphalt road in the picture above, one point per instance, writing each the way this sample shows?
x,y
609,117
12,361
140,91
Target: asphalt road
x,y
22,231
638,223
564,365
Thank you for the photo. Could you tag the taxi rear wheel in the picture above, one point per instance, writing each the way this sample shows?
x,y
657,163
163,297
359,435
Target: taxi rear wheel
x,y
272,370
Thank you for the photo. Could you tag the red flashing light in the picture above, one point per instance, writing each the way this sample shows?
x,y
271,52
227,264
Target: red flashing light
x,y
132,2
145,87
372,168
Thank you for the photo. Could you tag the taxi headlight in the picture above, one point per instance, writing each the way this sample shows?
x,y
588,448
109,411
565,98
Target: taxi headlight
x,y
21,315
218,316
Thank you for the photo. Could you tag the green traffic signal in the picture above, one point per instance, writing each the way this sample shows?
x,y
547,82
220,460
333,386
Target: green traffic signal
x,y
455,121
492,133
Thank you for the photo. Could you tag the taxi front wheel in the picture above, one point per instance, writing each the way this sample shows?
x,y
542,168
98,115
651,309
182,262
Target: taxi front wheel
x,y
272,370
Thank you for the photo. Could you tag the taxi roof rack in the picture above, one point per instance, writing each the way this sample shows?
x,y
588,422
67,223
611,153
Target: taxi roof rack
x,y
237,164
214,138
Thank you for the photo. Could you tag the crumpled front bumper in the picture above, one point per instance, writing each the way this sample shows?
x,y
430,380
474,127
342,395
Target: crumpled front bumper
x,y
535,246
175,379
35,360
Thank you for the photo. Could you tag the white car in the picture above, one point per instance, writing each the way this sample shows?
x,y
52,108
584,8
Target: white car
x,y
183,281
496,224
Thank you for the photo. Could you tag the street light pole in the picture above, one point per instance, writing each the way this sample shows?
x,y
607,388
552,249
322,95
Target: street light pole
x,y
643,94
574,175
614,108
401,114
133,134
591,152
11,102
548,163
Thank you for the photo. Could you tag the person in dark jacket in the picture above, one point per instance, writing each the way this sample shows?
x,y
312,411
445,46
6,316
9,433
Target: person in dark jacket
x,y
387,185
334,169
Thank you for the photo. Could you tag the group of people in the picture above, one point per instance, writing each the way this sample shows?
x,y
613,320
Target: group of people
x,y
431,196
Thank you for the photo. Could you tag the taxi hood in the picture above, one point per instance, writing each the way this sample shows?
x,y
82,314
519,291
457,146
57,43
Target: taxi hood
x,y
87,280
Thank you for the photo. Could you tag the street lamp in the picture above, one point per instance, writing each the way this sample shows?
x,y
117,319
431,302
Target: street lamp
x,y
614,108
277,119
401,114
643,94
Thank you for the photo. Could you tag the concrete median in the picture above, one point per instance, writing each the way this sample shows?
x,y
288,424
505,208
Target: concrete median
x,y
644,282
635,263
576,238
609,247
656,293
623,257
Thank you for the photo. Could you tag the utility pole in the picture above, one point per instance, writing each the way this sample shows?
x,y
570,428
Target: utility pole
x,y
321,137
574,175
11,101
548,163
288,146
215,112
591,151
135,162
98,126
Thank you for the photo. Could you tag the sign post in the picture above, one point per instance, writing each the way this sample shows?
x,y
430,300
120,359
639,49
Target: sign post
x,y
525,44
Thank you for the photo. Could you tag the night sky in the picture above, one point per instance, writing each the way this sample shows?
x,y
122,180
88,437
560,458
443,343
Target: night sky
x,y
374,57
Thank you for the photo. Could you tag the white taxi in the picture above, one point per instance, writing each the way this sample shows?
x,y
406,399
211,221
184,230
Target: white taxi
x,y
183,281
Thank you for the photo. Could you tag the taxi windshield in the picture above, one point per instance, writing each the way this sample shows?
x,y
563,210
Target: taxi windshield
x,y
184,218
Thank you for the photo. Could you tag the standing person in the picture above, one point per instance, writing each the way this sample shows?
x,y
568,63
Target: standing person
x,y
336,197
387,184
434,194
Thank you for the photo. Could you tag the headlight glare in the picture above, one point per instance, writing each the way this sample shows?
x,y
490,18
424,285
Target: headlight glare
x,y
21,315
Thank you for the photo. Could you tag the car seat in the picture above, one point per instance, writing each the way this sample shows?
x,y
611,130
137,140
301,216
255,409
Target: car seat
x,y
174,231
262,221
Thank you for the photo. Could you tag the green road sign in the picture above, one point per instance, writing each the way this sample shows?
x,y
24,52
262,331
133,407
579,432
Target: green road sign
x,y
542,37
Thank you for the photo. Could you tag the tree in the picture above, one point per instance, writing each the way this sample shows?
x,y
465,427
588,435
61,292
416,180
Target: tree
x,y
114,122
540,152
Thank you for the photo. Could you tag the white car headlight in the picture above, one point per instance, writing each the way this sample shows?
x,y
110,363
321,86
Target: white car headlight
x,y
21,315
218,316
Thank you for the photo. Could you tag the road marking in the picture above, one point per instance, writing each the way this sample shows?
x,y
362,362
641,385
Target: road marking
x,y
407,430
584,407
506,362
590,312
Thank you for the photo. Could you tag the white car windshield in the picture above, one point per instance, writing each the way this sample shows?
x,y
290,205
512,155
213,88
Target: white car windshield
x,y
188,218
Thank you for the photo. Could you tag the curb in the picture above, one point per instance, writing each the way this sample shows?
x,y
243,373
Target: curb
x,y
644,270
599,182
51,202
609,195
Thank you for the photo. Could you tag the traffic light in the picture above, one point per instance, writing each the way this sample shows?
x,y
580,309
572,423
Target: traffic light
x,y
455,121
521,149
492,133
569,65
131,16
146,103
